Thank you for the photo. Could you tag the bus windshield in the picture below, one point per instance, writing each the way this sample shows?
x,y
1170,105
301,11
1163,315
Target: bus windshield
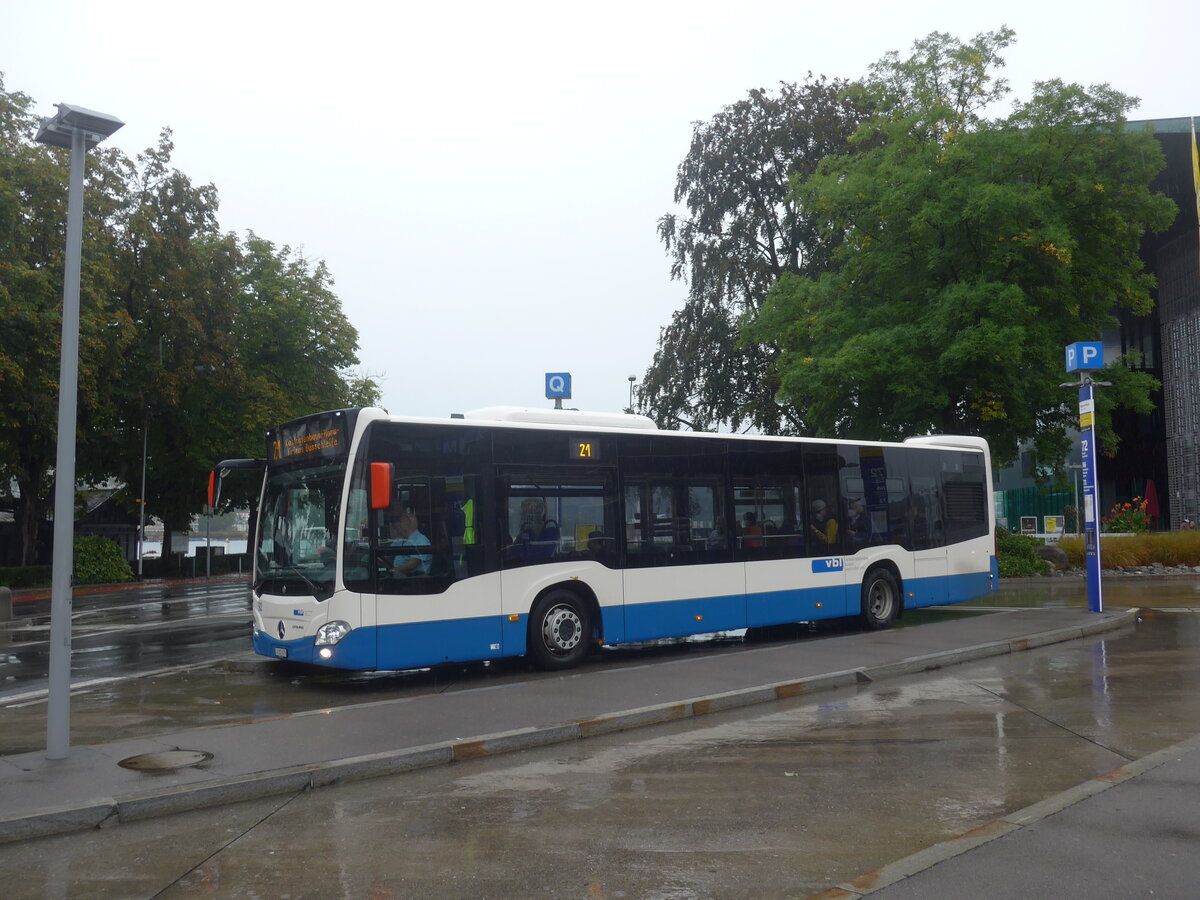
x,y
297,548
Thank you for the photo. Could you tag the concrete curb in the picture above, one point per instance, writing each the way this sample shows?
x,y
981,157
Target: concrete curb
x,y
258,785
1014,821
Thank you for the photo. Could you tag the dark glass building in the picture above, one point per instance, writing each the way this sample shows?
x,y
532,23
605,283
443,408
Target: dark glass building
x,y
1159,456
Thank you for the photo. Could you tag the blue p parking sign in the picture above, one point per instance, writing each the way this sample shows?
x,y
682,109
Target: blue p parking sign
x,y
1085,356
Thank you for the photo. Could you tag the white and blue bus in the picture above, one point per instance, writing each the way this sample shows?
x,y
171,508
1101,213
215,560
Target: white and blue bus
x,y
387,542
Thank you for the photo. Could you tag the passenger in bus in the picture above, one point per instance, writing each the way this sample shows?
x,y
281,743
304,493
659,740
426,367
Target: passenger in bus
x,y
858,526
824,527
406,534
538,536
598,545
750,531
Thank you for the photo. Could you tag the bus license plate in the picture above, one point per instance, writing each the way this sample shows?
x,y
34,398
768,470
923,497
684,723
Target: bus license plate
x,y
281,652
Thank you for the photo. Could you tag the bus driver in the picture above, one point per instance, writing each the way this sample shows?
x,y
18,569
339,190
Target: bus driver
x,y
404,529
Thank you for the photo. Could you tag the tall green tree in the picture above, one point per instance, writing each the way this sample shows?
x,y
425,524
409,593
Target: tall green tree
x,y
971,250
743,229
298,350
190,341
33,212
233,338
178,283
297,344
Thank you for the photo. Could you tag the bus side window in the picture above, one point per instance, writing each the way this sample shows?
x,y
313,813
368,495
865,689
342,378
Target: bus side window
x,y
823,522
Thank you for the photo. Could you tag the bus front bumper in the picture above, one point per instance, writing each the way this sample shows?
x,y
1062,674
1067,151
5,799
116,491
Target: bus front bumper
x,y
355,651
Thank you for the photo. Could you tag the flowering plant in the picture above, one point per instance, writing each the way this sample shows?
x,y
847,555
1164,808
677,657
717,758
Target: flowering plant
x,y
1129,516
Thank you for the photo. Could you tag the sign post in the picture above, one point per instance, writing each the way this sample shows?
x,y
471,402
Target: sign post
x,y
1084,358
558,387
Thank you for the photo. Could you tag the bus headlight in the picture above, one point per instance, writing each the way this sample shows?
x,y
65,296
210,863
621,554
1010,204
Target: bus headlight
x,y
332,632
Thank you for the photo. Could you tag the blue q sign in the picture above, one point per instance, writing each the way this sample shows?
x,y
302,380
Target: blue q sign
x,y
558,385
1085,356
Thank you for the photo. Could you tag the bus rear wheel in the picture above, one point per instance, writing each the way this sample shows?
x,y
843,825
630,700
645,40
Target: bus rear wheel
x,y
880,599
560,630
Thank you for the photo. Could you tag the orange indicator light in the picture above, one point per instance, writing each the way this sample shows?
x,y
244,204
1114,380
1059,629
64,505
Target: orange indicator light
x,y
515,617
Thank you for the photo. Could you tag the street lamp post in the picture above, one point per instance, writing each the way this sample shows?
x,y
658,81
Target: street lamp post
x,y
78,130
142,498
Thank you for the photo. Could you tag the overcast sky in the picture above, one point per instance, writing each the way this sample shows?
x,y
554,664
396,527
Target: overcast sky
x,y
484,179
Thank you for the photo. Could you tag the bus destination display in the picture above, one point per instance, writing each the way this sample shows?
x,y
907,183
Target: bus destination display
x,y
319,437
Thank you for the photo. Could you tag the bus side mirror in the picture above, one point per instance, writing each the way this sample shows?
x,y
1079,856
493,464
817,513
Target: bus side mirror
x,y
223,468
381,485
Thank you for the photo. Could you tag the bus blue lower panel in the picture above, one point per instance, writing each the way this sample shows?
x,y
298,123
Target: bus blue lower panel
x,y
432,643
947,589
397,646
462,640
697,615
807,605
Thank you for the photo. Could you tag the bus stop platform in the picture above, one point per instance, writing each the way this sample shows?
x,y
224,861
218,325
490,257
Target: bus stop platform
x,y
125,780
1128,833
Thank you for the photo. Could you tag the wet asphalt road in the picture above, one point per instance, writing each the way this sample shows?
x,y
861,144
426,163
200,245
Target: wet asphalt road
x,y
125,632
784,801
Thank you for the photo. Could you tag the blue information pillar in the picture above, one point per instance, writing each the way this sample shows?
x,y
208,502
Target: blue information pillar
x,y
1083,358
1091,497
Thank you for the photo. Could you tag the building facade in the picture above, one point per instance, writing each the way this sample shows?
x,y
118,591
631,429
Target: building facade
x,y
1160,451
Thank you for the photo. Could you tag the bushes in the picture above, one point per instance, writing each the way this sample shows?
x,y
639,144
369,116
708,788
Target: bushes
x,y
99,560
1016,557
1172,548
17,577
101,566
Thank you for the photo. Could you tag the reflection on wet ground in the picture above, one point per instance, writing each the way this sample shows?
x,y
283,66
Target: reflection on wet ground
x,y
251,687
136,606
1158,591
786,799
122,633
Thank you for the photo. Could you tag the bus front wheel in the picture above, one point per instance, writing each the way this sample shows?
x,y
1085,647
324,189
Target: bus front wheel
x,y
880,598
560,630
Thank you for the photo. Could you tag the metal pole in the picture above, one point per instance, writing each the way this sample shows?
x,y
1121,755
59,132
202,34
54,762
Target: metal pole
x,y
142,502
58,709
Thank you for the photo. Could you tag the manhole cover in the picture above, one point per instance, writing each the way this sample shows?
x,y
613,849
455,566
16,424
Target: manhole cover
x,y
166,761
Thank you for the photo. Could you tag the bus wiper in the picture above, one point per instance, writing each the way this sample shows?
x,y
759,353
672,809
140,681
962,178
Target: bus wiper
x,y
319,593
